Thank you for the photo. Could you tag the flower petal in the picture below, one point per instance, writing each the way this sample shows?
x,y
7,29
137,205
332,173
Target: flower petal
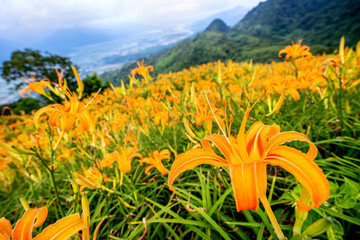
x,y
97,228
220,142
284,137
5,229
261,178
54,118
21,92
161,168
294,93
306,172
40,112
4,237
147,169
243,181
26,223
191,159
63,228
253,131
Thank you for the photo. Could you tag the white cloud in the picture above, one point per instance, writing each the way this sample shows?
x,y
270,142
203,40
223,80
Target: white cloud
x,y
36,16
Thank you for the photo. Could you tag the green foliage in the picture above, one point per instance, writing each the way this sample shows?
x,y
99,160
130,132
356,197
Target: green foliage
x,y
24,105
217,26
260,35
92,83
29,63
202,207
316,21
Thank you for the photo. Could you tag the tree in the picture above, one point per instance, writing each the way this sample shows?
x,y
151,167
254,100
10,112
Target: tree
x,y
27,105
92,83
33,62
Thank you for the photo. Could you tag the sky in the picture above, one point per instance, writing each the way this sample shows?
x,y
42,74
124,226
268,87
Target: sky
x,y
24,19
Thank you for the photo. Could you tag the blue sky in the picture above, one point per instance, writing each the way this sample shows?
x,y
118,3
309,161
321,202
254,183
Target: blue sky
x,y
35,19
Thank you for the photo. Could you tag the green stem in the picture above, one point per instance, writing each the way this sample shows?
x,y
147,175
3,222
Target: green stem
x,y
296,70
272,217
59,140
121,178
52,177
341,118
56,192
51,171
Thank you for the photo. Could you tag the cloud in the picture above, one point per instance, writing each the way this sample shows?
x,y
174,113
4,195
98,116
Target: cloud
x,y
38,16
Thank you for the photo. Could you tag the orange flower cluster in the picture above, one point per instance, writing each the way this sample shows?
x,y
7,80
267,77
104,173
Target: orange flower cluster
x,y
34,218
172,114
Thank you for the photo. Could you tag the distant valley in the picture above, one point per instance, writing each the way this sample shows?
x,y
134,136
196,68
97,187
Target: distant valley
x,y
260,35
101,51
105,56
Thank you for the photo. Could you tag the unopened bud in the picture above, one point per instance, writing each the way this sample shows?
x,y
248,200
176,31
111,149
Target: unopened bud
x,y
318,227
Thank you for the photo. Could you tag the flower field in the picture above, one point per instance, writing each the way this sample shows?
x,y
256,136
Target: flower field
x,y
223,150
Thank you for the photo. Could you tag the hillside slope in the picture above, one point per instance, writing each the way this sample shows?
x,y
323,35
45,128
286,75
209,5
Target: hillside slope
x,y
261,34
316,21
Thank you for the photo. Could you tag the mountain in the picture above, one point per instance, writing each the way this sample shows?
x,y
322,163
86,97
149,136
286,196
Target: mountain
x,y
316,21
230,17
261,34
217,26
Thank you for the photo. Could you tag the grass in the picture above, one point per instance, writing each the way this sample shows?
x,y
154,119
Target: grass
x,y
202,205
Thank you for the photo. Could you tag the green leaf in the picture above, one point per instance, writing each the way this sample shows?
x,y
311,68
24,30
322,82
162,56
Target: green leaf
x,y
347,194
318,227
336,231
213,223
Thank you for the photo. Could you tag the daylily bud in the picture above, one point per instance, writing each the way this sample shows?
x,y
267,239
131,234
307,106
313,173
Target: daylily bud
x,y
318,227
74,185
85,215
301,215
24,203
82,180
7,147
341,49
80,89
22,151
189,130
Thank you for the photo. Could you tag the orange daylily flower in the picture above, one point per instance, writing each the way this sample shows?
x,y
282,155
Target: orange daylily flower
x,y
143,71
155,161
38,87
282,86
5,229
123,158
91,178
205,116
33,218
65,116
295,51
247,155
160,118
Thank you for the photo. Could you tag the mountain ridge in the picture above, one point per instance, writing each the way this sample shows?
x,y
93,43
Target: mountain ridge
x,y
217,25
261,34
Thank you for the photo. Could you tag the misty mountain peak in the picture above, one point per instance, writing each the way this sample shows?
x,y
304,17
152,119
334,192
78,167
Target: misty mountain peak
x,y
217,25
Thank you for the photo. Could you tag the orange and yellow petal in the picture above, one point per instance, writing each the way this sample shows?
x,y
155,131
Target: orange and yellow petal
x,y
147,169
284,137
40,112
5,229
244,184
63,228
220,141
293,93
192,159
161,168
305,170
24,226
